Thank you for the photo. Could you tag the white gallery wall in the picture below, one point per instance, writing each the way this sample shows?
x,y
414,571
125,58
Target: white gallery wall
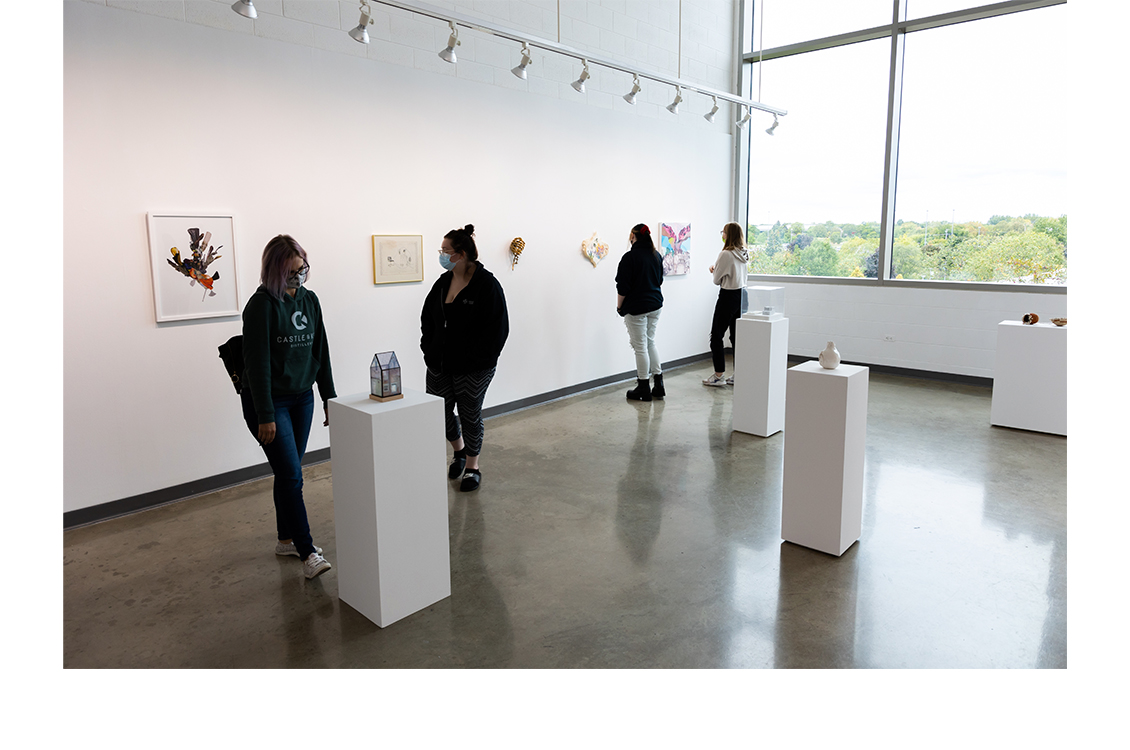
x,y
292,127
166,114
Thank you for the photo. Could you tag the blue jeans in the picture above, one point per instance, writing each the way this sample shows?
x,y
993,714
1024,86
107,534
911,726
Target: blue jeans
x,y
293,416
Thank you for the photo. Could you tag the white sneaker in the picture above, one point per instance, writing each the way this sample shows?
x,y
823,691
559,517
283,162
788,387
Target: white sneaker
x,y
730,380
315,565
715,381
289,549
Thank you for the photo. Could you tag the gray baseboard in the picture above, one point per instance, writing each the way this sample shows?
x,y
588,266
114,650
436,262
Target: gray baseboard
x,y
145,501
908,372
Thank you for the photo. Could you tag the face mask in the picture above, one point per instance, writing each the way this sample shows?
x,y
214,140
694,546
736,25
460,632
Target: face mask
x,y
295,280
446,261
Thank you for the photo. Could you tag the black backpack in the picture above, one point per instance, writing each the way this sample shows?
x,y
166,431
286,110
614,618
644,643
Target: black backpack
x,y
231,352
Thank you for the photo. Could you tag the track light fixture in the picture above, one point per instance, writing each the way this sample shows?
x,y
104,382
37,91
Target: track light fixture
x,y
673,107
520,71
772,127
630,97
361,33
245,8
709,116
745,119
447,54
579,84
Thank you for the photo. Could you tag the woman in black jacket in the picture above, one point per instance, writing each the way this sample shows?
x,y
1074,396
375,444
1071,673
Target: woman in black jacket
x,y
639,302
463,326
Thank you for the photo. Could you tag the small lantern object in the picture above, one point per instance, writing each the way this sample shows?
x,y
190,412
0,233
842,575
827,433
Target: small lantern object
x,y
384,377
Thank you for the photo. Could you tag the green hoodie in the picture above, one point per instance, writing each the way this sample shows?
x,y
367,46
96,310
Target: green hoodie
x,y
284,349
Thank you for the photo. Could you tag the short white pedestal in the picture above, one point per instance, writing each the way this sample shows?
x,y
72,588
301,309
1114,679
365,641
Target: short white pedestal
x,y
390,504
1030,377
760,365
825,437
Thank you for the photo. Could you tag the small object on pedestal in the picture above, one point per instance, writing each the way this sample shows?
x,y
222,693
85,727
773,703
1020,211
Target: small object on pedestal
x,y
1060,321
830,357
384,377
1030,319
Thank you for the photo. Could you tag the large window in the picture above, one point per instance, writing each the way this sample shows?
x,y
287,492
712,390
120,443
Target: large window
x,y
970,104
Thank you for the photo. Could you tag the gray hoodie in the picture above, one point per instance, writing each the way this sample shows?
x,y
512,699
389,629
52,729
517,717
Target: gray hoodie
x,y
731,268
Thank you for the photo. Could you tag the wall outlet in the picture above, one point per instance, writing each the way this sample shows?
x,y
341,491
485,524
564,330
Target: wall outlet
x,y
888,337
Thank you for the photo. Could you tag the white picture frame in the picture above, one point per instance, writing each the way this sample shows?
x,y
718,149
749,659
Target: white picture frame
x,y
184,288
398,258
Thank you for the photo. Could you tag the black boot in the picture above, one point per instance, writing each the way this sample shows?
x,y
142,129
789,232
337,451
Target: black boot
x,y
657,390
642,391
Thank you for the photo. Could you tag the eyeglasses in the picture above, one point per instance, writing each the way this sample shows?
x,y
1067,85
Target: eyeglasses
x,y
305,269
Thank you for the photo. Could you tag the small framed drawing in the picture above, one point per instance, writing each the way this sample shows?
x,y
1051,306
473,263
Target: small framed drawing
x,y
194,266
398,258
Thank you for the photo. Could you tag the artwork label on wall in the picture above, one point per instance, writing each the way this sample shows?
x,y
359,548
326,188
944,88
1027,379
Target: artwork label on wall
x,y
397,258
594,249
675,247
194,267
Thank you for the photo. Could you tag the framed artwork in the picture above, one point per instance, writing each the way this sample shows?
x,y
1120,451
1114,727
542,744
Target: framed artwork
x,y
675,247
398,258
194,266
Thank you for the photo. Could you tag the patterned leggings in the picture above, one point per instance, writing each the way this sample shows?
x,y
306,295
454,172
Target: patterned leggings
x,y
466,391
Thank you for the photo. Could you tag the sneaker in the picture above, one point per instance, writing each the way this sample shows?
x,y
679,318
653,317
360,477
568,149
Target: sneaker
x,y
715,381
471,480
289,549
730,380
315,565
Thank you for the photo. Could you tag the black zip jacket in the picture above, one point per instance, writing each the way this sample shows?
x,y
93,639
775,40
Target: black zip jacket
x,y
467,335
638,279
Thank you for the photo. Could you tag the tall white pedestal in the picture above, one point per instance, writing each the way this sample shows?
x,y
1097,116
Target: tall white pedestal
x,y
825,437
390,504
760,365
1030,377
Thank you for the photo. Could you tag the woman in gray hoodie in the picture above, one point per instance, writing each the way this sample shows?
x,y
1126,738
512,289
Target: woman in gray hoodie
x,y
730,272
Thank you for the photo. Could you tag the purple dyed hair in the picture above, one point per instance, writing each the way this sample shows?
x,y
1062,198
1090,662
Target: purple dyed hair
x,y
277,258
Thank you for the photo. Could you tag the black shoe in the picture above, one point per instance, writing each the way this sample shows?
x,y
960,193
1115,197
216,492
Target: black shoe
x,y
642,391
657,390
471,480
457,465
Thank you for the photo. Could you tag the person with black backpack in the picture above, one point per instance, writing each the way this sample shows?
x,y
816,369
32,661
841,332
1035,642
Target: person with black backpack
x,y
285,352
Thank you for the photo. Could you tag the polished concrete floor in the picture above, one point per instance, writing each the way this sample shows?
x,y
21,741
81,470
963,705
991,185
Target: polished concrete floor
x,y
615,534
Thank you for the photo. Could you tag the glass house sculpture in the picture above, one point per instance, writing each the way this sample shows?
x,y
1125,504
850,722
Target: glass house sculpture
x,y
384,377
765,302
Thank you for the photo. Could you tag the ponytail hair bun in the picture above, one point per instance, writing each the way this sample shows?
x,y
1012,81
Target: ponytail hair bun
x,y
463,241
641,230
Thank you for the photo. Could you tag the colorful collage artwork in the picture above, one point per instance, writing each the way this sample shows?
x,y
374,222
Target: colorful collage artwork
x,y
675,247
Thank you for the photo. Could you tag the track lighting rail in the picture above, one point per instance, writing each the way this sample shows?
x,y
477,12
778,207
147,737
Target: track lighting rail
x,y
455,18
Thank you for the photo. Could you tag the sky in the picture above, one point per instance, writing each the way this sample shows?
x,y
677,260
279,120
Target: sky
x,y
984,129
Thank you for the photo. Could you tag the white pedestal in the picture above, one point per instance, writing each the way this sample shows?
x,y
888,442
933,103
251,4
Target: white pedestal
x,y
390,504
760,365
1030,377
825,437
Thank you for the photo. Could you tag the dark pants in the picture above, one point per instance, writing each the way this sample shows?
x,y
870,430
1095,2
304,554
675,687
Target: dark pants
x,y
293,416
467,392
727,310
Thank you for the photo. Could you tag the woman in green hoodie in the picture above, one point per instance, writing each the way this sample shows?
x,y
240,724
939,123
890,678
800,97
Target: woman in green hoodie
x,y
730,271
285,352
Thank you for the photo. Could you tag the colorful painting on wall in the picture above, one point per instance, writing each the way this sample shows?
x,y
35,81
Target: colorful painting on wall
x,y
675,247
193,264
594,249
397,258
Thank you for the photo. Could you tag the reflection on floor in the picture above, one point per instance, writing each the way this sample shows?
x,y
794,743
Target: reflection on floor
x,y
610,533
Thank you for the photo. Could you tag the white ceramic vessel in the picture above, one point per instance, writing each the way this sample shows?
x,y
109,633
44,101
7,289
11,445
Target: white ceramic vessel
x,y
830,357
